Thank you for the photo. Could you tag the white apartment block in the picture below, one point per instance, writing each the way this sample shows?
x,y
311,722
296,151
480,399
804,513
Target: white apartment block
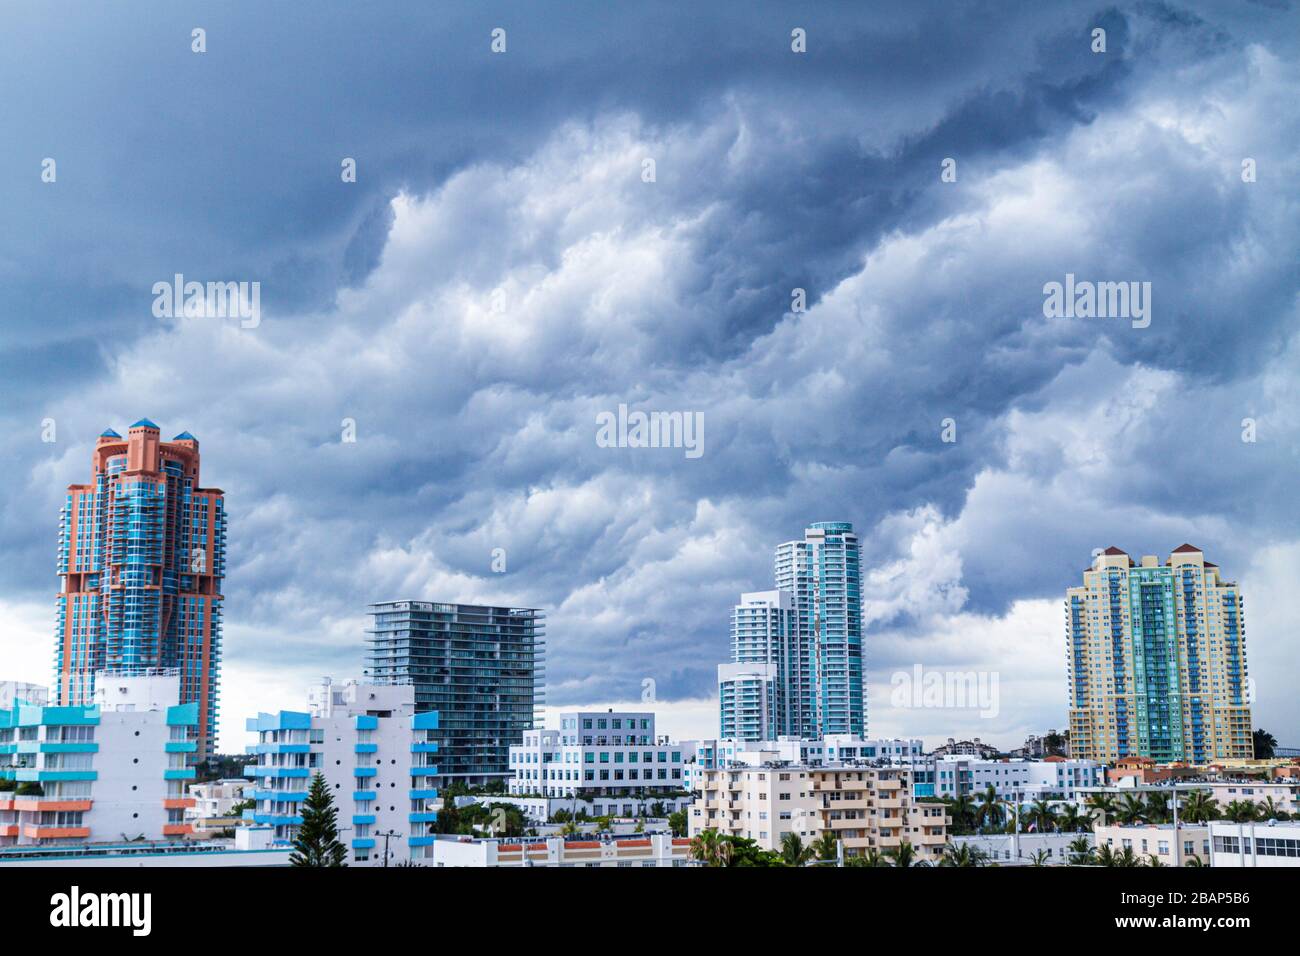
x,y
650,849
606,762
377,758
1254,844
1157,840
1022,849
1027,780
213,803
111,771
832,749
1284,794
753,690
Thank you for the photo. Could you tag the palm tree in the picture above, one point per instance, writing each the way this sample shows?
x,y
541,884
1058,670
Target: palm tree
x,y
1126,858
710,848
1081,852
869,857
1268,809
963,854
827,846
1071,819
963,813
1241,811
1153,860
793,852
1101,806
1041,814
569,828
1132,810
1105,856
1265,744
903,855
1039,858
1194,861
989,811
1199,807
1157,808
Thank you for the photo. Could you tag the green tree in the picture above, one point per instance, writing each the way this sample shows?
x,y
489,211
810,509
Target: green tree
x,y
963,813
317,841
1101,807
1039,858
1042,815
1157,808
1072,820
793,851
746,852
1133,809
710,848
903,855
989,813
826,846
677,823
1081,852
963,854
1199,807
1126,858
237,809
869,857
1265,744
1241,811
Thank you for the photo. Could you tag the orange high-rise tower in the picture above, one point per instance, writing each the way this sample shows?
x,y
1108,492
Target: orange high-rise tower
x,y
142,554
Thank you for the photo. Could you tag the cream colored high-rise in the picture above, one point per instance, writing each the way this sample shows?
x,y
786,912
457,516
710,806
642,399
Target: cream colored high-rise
x,y
1157,660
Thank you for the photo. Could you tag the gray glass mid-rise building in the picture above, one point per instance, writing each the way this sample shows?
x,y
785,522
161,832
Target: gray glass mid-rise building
x,y
480,667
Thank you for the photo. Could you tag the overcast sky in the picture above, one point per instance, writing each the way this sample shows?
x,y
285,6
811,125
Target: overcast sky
x,y
500,273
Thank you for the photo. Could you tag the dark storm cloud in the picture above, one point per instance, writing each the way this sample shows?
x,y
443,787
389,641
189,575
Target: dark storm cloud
x,y
521,174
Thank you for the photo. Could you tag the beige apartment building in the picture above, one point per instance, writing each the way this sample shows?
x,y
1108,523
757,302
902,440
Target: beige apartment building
x,y
866,807
1157,661
873,809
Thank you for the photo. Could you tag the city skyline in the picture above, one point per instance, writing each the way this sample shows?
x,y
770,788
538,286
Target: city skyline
x,y
952,273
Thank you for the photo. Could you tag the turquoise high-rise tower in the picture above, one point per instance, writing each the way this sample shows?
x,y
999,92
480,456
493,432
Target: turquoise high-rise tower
x,y
824,679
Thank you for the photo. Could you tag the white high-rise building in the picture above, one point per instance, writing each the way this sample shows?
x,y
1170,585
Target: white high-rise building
x,y
753,696
796,651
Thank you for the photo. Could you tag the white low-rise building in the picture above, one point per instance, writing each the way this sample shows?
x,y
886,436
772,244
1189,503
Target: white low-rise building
x,y
636,850
1151,840
215,803
1024,849
1254,844
711,753
1053,778
605,763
